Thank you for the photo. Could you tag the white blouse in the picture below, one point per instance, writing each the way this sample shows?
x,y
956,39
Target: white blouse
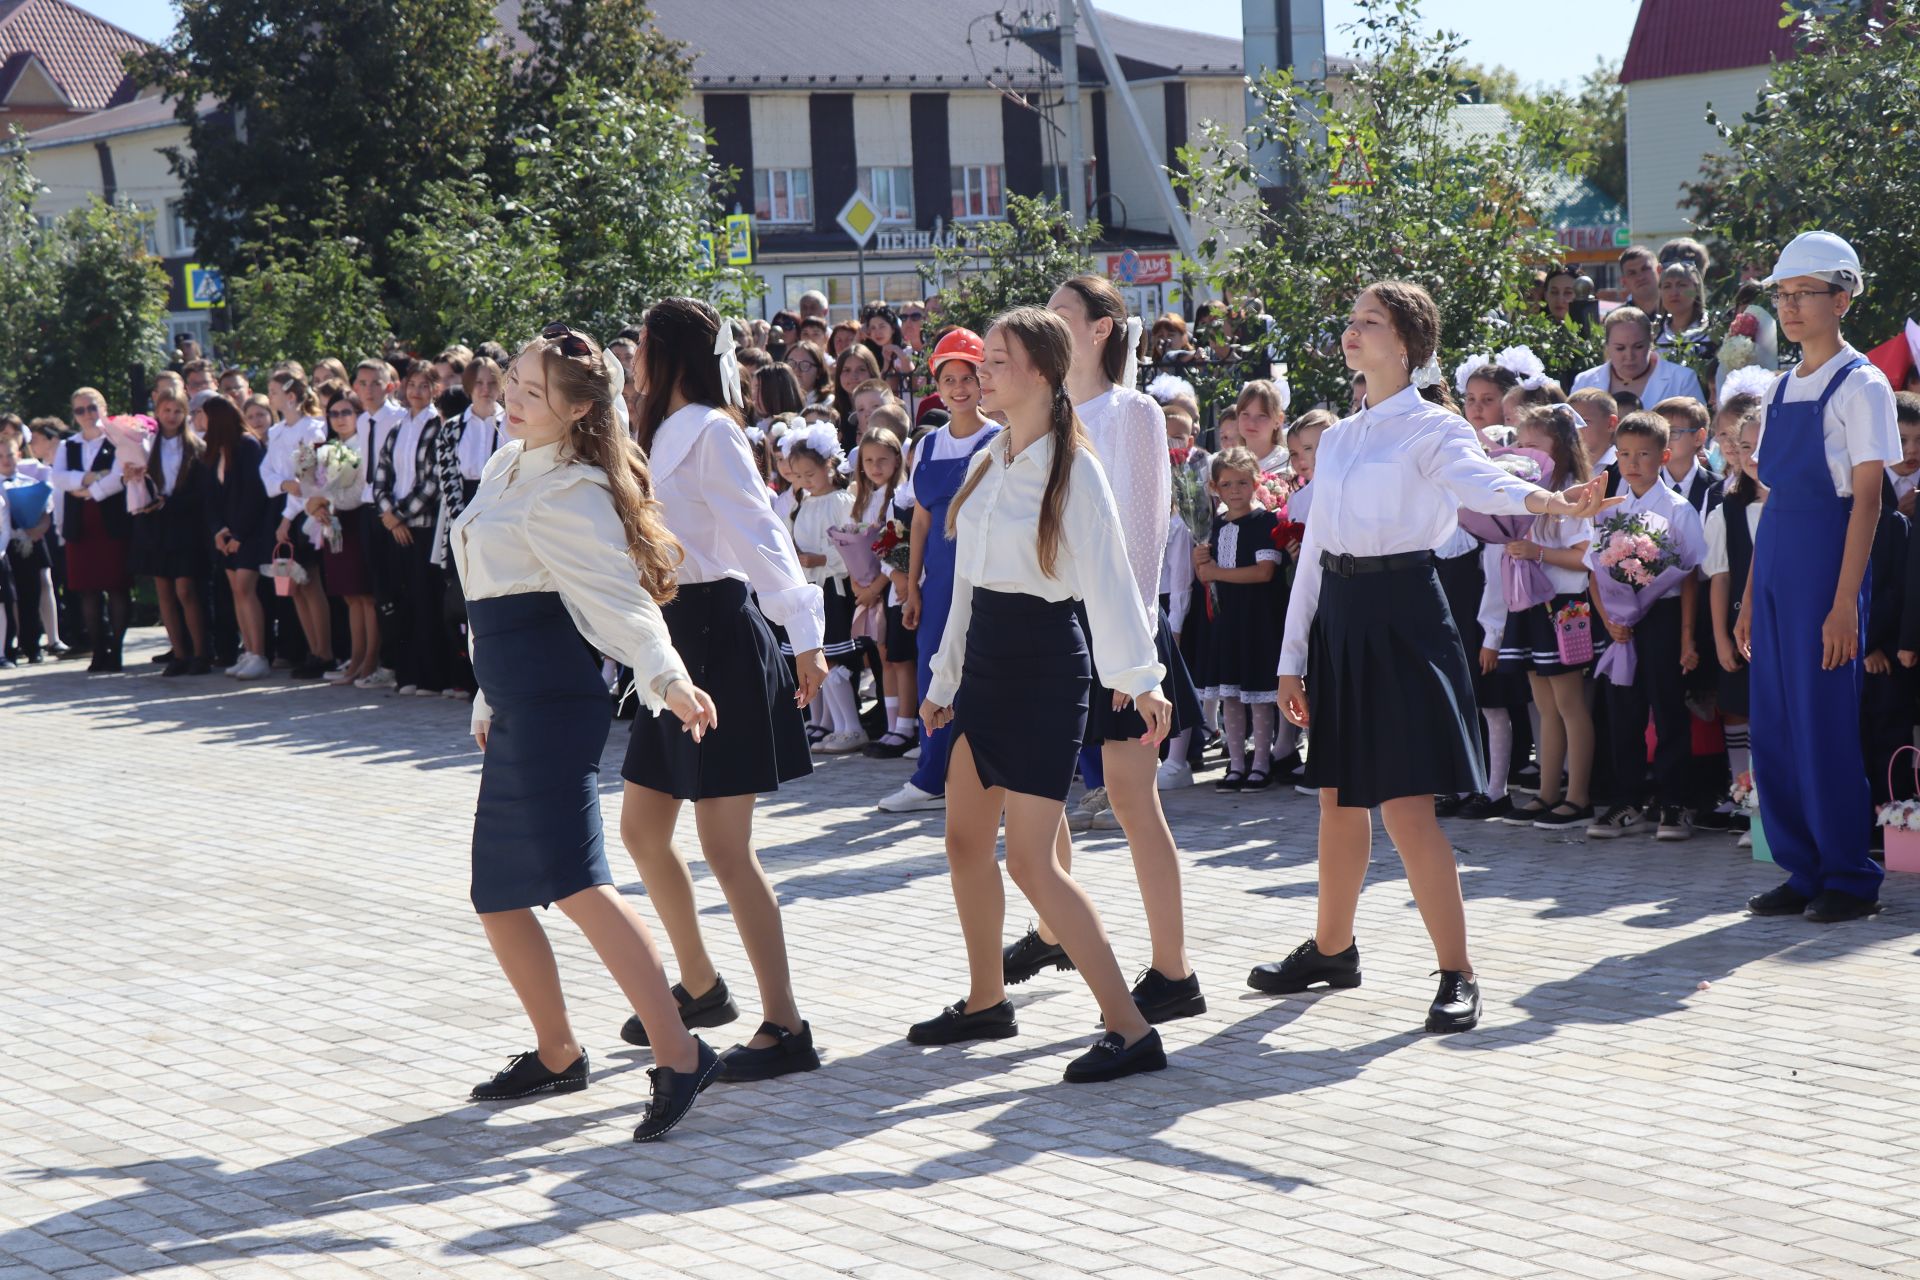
x,y
1390,480
1717,560
65,481
480,439
997,546
1669,378
819,513
276,467
373,427
1129,433
541,523
719,508
1860,424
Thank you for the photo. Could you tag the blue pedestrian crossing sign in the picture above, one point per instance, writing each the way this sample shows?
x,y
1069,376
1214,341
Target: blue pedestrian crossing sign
x,y
206,287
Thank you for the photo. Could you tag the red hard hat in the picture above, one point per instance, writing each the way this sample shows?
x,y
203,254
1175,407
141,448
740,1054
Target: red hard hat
x,y
957,344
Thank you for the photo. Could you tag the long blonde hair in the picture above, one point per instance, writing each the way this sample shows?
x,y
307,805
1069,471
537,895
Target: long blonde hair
x,y
596,439
863,490
1048,343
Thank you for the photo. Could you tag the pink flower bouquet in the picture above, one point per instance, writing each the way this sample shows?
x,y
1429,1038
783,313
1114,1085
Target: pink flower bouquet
x,y
855,544
1523,582
1634,562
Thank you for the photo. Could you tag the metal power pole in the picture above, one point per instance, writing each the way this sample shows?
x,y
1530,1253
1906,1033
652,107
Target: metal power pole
x,y
1076,130
1176,216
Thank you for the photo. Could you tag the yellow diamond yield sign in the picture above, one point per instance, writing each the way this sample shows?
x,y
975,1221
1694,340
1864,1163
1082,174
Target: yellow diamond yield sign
x,y
859,219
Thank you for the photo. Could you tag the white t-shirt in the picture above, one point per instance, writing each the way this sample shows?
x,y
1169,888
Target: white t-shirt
x,y
1860,423
1716,560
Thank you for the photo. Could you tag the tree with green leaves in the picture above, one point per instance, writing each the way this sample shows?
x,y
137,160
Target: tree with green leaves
x,y
1379,184
1828,145
310,290
611,43
995,266
476,267
1582,130
26,273
107,309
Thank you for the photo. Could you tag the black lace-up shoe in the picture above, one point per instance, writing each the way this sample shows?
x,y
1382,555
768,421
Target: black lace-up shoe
x,y
714,1009
792,1051
1456,1006
1162,999
1781,900
674,1092
1112,1057
526,1076
1029,956
1306,967
1833,906
954,1025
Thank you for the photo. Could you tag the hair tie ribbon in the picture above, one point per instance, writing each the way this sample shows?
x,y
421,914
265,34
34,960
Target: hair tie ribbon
x,y
723,347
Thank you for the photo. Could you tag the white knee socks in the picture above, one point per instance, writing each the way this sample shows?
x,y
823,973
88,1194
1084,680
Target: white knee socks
x,y
1499,749
843,711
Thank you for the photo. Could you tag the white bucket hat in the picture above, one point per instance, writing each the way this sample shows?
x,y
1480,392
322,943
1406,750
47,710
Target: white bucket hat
x,y
1822,254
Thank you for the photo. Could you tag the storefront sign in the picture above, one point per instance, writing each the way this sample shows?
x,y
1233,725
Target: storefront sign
x,y
1132,268
1593,239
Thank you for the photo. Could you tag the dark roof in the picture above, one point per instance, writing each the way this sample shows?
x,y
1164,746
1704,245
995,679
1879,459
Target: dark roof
x,y
151,112
876,44
1691,37
79,52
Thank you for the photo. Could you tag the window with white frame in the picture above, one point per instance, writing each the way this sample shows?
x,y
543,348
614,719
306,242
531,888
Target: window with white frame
x,y
891,191
783,196
179,230
976,191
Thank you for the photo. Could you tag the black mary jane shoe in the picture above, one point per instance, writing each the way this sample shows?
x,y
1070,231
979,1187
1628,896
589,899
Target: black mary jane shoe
x,y
1112,1057
526,1076
1162,999
1456,1006
791,1051
1306,966
1257,780
1031,955
674,1093
714,1009
1231,781
1448,806
889,746
954,1025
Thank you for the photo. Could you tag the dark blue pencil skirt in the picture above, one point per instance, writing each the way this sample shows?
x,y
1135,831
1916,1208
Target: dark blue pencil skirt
x,y
1024,687
536,830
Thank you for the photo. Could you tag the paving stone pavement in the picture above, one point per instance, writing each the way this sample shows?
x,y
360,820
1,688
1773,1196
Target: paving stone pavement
x,y
244,998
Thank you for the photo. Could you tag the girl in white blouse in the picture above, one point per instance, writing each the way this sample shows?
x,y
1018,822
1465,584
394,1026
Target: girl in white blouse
x,y
563,548
1128,432
719,510
300,424
813,459
1371,659
1036,530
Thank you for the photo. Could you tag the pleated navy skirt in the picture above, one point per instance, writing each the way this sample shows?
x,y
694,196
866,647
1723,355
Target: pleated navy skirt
x,y
1104,724
729,651
536,830
1024,686
1389,696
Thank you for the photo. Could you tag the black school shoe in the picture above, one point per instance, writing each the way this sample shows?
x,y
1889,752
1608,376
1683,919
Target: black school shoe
x,y
1112,1057
1480,808
526,1075
1448,806
714,1009
1162,999
954,1025
1456,1006
1305,967
1782,900
792,1052
1833,906
674,1092
1029,956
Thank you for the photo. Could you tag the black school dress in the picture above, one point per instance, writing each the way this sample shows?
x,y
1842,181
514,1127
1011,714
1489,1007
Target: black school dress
x,y
170,538
1243,650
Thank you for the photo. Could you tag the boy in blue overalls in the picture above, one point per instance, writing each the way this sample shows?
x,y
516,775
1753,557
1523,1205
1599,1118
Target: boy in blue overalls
x,y
1827,436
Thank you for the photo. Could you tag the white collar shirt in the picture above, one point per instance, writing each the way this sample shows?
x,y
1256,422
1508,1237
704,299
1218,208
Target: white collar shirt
x,y
1860,423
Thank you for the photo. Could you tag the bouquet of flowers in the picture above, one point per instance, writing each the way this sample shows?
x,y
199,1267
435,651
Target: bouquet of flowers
x,y
1288,534
129,434
1635,562
1524,583
1742,792
332,471
1900,815
1270,490
893,545
1191,501
855,544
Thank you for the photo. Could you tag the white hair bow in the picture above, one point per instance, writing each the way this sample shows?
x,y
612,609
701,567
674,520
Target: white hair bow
x,y
617,378
1166,386
1282,389
1428,374
729,365
1749,380
1467,368
1524,365
1130,372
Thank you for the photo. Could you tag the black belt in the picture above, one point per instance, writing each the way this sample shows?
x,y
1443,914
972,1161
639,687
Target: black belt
x,y
1351,566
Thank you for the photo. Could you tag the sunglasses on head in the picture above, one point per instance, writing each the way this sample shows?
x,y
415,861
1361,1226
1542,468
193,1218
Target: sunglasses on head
x,y
567,338
913,315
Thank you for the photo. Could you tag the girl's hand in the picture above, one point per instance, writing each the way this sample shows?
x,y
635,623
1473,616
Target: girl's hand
x,y
1743,636
1202,554
134,474
1877,664
1689,654
1909,657
910,610
286,531
812,667
402,534
1583,501
1155,710
1523,550
290,487
317,508
1206,572
1293,700
693,706
1489,659
480,734
1729,656
935,717
1620,634
808,560
1840,636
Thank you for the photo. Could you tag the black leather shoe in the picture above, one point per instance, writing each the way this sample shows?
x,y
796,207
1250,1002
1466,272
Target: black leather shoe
x,y
1784,900
1029,956
1456,1006
178,667
792,1052
714,1009
526,1075
954,1025
200,667
882,749
1162,999
1305,967
1447,806
1112,1057
159,658
1833,906
674,1092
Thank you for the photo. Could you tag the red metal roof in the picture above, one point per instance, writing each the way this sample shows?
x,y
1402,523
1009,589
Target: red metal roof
x,y
81,53
1689,37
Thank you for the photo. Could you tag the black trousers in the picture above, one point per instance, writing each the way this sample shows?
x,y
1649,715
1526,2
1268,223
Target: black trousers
x,y
1886,725
419,611
453,622
1659,689
386,584
23,639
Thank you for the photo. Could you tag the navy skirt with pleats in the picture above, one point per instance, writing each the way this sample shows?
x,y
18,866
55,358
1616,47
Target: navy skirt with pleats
x,y
1024,688
536,830
1389,694
760,741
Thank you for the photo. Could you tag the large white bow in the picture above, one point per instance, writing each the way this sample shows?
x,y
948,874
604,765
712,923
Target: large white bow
x,y
723,347
617,376
1130,372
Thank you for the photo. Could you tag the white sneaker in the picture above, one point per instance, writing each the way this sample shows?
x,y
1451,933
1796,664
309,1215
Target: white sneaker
x,y
910,799
1106,820
407,690
1081,819
1174,774
382,678
1745,841
457,695
336,676
1302,789
252,667
427,693
840,744
234,670
911,754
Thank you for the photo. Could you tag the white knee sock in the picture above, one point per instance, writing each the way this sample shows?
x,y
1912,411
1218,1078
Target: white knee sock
x,y
843,712
1178,746
1499,749
1233,722
1739,758
49,608
893,711
1263,718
